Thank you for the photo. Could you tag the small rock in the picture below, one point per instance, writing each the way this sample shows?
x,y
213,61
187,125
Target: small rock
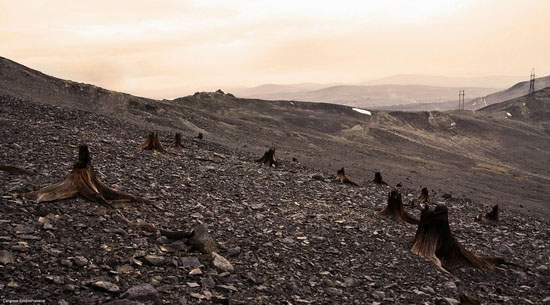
x,y
332,291
379,295
221,263
350,282
162,240
80,261
66,263
13,284
56,279
195,271
154,260
202,241
190,262
546,300
227,287
6,257
193,284
234,251
449,285
22,229
125,269
62,302
142,293
208,282
197,295
257,206
429,289
447,196
447,301
105,286
318,177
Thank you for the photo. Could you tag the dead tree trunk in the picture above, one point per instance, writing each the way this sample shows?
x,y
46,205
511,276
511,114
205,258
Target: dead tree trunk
x,y
153,143
395,209
82,181
378,179
424,196
435,242
200,136
268,159
12,170
341,174
491,216
177,140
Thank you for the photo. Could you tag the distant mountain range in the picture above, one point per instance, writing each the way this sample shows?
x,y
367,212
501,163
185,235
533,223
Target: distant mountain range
x,y
497,81
361,96
398,92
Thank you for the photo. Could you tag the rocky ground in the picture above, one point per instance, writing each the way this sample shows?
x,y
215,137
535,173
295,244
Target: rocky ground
x,y
289,235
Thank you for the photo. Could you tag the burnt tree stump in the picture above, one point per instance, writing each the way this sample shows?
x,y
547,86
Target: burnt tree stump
x,y
268,159
395,209
177,140
491,216
435,241
199,136
378,179
83,182
424,196
341,174
152,143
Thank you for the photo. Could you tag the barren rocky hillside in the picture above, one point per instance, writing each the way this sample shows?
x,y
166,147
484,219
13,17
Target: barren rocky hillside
x,y
291,234
518,90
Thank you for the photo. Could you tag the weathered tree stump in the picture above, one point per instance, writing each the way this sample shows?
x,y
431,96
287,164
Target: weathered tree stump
x,y
82,181
153,143
378,179
200,136
177,140
435,242
268,159
491,217
395,209
341,174
12,170
424,196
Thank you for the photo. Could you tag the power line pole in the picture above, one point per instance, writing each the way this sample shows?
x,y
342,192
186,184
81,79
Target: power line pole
x,y
532,82
460,99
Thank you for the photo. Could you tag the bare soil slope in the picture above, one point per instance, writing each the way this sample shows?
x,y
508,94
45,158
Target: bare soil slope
x,y
518,90
482,156
291,233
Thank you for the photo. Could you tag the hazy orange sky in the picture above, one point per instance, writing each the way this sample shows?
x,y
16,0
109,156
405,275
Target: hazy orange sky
x,y
165,49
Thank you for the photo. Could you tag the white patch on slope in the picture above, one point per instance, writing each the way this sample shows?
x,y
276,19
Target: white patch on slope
x,y
363,111
508,114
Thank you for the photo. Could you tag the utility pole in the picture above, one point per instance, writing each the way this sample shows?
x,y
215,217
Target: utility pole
x,y
532,83
460,99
